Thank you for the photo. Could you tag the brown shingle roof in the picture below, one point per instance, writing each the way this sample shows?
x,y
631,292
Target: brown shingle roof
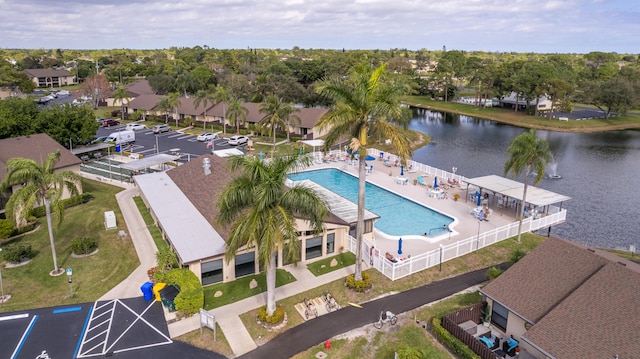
x,y
144,102
140,87
204,191
34,147
310,116
544,278
47,73
599,320
188,107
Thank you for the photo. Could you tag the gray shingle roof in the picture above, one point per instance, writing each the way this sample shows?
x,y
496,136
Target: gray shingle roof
x,y
47,73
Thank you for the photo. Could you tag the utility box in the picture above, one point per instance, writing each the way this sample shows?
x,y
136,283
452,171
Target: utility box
x,y
110,220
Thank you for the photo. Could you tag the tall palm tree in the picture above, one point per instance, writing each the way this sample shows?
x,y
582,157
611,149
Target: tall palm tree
x,y
367,102
262,212
204,98
527,152
174,101
120,95
237,114
275,111
164,105
40,184
223,95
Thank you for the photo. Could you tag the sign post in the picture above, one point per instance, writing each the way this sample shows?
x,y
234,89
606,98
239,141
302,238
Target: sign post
x,y
69,273
208,320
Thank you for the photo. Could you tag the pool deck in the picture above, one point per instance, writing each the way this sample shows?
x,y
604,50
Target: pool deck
x,y
464,226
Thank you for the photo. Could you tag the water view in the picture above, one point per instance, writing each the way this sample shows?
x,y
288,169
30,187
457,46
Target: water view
x,y
600,171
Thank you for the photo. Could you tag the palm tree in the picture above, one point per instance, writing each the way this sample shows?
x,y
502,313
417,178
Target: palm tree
x,y
237,114
275,111
364,104
164,105
203,98
120,95
174,102
527,152
262,212
223,95
40,184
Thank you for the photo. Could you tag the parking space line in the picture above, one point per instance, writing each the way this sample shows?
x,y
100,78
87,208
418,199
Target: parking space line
x,y
24,337
67,310
84,328
12,317
138,317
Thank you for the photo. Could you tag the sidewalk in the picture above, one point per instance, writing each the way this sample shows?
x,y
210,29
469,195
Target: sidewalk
x,y
228,316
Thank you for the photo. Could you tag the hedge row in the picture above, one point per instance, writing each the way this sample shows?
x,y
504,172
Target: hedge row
x,y
454,344
191,297
68,202
84,245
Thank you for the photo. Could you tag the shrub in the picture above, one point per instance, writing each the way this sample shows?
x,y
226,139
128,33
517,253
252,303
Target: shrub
x,y
16,253
454,344
276,318
359,285
516,255
6,228
68,202
84,245
191,297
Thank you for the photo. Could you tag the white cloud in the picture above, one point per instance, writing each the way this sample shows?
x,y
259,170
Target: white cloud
x,y
515,25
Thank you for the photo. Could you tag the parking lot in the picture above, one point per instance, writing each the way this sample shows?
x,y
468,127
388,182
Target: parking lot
x,y
186,144
127,328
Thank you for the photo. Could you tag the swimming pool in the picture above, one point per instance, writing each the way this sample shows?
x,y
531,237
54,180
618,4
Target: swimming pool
x,y
399,216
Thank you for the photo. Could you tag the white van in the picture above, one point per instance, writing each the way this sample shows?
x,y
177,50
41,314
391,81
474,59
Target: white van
x,y
122,137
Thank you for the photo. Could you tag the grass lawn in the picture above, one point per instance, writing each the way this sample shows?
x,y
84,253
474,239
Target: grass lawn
x,y
523,120
205,340
486,257
323,266
239,289
148,220
31,286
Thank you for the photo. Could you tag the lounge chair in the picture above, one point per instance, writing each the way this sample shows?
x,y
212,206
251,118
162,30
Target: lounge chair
x,y
421,181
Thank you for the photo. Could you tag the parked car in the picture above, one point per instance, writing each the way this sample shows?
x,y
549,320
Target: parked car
x,y
136,126
110,122
161,128
206,136
98,139
238,140
64,93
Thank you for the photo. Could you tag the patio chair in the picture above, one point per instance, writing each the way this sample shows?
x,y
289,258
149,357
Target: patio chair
x,y
421,181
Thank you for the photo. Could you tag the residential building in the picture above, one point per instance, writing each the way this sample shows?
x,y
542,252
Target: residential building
x,y
50,78
35,147
565,300
183,202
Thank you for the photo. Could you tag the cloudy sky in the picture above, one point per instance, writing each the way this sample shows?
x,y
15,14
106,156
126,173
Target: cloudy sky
x,y
545,26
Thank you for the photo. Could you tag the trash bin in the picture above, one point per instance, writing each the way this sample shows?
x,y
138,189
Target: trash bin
x,y
156,290
168,294
147,290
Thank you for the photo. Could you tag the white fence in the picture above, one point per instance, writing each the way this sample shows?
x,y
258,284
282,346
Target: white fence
x,y
554,215
451,251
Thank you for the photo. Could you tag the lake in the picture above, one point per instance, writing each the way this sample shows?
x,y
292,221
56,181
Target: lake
x,y
600,171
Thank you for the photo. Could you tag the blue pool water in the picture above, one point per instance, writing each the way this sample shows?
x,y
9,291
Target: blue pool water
x,y
398,215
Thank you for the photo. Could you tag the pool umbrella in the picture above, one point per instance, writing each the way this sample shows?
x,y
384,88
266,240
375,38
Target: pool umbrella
x,y
301,150
479,199
400,246
435,182
260,155
370,158
401,170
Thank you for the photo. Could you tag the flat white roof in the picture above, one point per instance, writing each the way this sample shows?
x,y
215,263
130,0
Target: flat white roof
x,y
228,152
146,162
189,232
514,189
338,205
314,143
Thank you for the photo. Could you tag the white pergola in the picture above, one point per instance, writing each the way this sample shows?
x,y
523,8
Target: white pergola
x,y
513,189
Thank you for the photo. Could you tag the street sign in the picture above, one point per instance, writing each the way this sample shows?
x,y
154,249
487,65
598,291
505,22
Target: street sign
x,y
208,320
69,271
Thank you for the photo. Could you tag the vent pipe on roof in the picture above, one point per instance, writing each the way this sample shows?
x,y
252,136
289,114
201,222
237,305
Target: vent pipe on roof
x,y
206,165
